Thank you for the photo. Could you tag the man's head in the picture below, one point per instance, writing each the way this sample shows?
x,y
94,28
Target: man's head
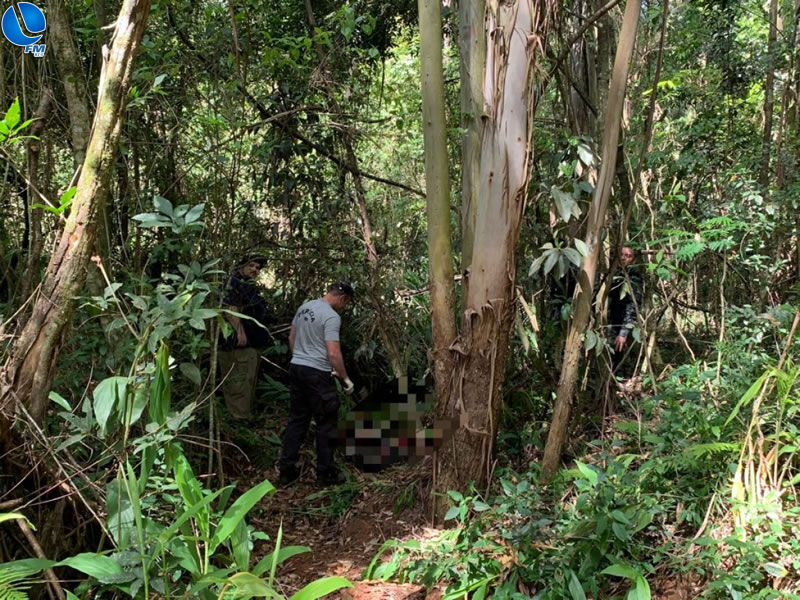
x,y
251,266
627,256
339,295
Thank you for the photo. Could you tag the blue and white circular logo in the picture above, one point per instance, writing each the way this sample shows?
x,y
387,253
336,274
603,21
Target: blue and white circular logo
x,y
32,18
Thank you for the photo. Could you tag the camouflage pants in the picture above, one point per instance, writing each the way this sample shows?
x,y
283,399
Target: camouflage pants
x,y
239,367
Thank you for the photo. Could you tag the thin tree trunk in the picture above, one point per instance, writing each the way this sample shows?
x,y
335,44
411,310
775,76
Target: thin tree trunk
x,y
472,43
437,187
31,365
597,215
769,95
69,65
515,37
34,152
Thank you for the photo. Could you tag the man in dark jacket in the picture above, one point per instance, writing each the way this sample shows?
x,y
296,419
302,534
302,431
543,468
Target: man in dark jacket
x,y
625,297
239,352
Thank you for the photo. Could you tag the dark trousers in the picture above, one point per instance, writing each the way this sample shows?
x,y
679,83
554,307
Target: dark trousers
x,y
312,394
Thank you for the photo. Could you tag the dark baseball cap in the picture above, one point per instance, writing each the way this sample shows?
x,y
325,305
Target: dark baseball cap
x,y
343,287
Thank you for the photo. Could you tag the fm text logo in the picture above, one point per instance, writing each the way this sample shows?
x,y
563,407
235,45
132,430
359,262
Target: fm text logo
x,y
34,21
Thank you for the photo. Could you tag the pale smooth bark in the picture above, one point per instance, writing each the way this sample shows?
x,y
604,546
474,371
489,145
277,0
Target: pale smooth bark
x,y
472,44
32,364
597,214
437,187
514,33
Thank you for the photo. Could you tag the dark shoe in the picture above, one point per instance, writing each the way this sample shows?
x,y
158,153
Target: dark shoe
x,y
330,478
288,476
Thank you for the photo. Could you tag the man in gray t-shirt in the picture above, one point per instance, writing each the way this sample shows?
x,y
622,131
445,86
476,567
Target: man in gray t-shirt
x,y
316,354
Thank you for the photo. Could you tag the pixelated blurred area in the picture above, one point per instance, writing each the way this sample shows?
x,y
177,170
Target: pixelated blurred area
x,y
388,426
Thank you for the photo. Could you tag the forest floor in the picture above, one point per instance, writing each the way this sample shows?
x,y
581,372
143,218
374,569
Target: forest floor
x,y
344,525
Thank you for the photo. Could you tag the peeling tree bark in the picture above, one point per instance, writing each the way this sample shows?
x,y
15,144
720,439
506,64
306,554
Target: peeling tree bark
x,y
515,36
597,215
29,370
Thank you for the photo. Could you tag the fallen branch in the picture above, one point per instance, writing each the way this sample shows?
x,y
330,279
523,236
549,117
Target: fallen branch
x,y
37,549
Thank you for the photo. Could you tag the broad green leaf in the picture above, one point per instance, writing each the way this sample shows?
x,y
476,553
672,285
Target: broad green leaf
x,y
586,155
591,340
12,116
283,555
321,587
563,201
249,585
452,513
106,396
479,506
60,400
775,569
550,262
642,589
575,588
573,256
26,566
191,372
237,512
163,205
587,472
14,517
92,564
195,213
455,495
620,570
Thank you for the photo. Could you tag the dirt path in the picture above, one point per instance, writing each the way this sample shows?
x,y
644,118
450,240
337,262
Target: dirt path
x,y
344,526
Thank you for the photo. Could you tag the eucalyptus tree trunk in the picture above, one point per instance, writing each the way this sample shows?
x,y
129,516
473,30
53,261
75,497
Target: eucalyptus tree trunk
x,y
437,190
514,33
597,214
30,368
472,44
769,95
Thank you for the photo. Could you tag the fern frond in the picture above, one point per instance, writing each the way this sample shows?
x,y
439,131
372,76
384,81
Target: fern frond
x,y
700,450
14,585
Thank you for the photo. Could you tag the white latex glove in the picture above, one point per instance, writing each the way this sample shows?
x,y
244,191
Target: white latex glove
x,y
348,386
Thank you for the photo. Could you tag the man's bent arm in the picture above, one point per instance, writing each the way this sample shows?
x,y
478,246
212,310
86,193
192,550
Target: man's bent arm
x,y
292,332
335,356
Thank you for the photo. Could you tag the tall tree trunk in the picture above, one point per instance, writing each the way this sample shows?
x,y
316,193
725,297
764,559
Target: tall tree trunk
x,y
769,95
29,371
69,65
34,152
597,215
515,37
472,43
437,189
